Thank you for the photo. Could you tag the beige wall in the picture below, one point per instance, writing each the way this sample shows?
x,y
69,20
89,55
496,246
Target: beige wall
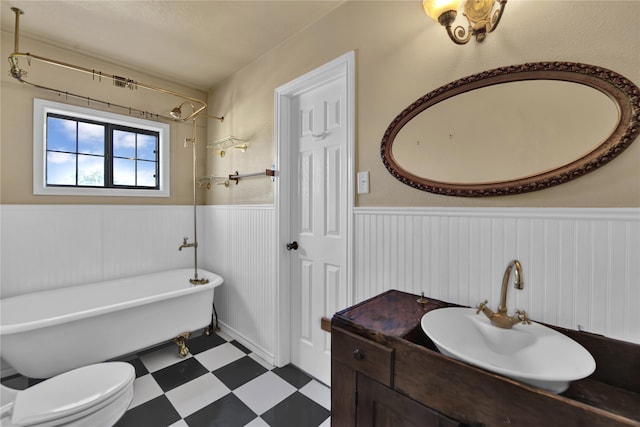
x,y
16,115
401,55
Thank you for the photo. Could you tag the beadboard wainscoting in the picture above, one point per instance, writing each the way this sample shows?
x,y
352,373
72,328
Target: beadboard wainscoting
x,y
240,244
581,266
52,246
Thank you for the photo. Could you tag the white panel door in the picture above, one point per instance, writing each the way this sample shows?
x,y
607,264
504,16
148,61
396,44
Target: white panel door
x,y
318,221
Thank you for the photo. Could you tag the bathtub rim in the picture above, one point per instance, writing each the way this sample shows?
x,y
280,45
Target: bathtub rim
x,y
215,280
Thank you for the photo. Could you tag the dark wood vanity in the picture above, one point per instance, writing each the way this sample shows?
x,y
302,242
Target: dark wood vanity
x,y
386,372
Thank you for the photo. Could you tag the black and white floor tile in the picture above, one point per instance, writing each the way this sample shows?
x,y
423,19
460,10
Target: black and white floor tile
x,y
220,383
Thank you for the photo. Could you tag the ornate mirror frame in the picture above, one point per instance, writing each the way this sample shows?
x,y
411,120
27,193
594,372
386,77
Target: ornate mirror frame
x,y
622,91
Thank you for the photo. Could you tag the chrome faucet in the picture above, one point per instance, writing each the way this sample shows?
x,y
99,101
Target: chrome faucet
x,y
187,245
501,319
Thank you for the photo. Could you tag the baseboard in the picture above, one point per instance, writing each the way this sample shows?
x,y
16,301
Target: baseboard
x,y
259,351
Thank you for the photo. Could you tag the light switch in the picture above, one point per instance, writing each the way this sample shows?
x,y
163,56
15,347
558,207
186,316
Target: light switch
x,y
363,182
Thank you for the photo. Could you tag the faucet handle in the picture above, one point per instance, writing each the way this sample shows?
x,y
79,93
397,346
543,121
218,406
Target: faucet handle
x,y
481,306
522,316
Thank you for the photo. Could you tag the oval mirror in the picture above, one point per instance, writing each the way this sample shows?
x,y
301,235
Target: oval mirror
x,y
513,129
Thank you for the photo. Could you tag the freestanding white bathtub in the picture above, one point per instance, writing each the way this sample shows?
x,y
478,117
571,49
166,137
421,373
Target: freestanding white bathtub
x,y
46,333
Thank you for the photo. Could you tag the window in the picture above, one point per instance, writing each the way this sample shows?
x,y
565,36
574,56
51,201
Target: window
x,y
80,151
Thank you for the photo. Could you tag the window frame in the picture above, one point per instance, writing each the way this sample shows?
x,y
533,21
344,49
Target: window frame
x,y
42,107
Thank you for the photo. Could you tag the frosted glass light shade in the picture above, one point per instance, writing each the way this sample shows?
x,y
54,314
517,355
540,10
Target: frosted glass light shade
x,y
435,8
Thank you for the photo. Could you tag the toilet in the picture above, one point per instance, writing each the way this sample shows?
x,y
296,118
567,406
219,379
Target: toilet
x,y
92,396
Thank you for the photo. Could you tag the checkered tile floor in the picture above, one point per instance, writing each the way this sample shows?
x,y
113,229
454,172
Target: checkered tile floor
x,y
221,383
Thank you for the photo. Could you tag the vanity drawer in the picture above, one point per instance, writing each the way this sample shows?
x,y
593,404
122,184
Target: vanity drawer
x,y
366,356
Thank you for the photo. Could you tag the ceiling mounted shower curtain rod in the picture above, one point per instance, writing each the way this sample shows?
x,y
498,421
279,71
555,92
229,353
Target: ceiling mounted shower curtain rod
x,y
16,72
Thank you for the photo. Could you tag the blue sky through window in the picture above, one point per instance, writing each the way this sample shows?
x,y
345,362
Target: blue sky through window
x,y
61,168
61,134
90,138
76,154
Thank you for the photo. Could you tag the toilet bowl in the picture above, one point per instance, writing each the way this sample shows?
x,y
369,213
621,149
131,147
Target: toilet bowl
x,y
93,396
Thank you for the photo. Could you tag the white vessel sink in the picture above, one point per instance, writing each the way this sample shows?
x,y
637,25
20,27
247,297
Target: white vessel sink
x,y
533,354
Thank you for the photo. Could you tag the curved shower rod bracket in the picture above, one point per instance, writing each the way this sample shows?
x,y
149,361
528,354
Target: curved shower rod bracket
x,y
198,105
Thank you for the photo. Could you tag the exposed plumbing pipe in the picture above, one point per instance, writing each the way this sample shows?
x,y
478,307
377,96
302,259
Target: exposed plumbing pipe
x,y
195,280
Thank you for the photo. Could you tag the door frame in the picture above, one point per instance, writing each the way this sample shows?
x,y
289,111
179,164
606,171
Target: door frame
x,y
341,67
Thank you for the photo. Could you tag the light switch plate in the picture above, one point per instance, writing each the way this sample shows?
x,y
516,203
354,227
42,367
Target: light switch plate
x,y
363,182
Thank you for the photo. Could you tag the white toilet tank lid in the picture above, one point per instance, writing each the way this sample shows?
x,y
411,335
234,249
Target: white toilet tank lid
x,y
71,392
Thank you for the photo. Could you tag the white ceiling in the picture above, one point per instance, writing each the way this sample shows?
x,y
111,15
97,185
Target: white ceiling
x,y
195,43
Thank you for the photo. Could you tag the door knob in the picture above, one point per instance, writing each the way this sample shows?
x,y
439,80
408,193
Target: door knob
x,y
293,245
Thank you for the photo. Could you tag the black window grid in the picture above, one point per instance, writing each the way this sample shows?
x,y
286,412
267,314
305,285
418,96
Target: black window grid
x,y
108,154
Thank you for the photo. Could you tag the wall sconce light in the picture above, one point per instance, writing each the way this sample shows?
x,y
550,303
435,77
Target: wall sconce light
x,y
480,14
